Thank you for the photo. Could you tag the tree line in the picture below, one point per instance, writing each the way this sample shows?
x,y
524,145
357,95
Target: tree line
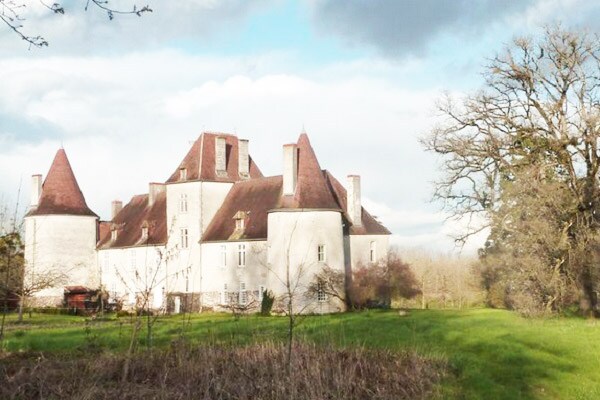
x,y
520,156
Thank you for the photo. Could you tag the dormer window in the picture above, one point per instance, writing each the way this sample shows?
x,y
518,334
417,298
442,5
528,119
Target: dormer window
x,y
239,224
113,234
240,220
144,232
182,174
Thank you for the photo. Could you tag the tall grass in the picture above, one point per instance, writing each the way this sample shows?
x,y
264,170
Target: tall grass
x,y
256,371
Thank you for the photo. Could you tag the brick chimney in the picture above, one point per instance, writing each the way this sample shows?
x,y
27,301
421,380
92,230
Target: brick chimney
x,y
116,206
243,159
290,168
154,189
354,207
36,189
220,156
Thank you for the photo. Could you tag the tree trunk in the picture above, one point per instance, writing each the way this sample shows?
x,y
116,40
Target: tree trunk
x,y
21,305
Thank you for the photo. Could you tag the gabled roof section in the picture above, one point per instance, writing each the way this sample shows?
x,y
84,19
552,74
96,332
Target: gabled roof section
x,y
60,191
312,190
370,226
133,217
200,161
254,197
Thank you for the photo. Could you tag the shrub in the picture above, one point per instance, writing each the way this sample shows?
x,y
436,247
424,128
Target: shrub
x,y
267,303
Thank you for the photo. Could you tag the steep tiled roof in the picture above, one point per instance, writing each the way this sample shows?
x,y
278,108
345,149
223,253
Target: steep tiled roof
x,y
255,197
311,188
103,230
370,226
60,191
130,220
315,189
200,161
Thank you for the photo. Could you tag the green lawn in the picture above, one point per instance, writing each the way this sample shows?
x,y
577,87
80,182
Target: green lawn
x,y
492,354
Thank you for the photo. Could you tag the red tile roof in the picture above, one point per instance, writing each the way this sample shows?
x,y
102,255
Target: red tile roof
x,y
315,189
135,215
255,197
311,188
200,160
103,230
60,191
370,226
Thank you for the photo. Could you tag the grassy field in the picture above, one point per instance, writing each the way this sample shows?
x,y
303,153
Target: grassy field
x,y
492,354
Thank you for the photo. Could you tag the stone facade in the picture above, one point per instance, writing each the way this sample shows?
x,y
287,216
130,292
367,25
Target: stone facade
x,y
215,233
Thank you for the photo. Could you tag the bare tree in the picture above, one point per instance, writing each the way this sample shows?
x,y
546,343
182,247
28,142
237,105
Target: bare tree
x,y
12,14
538,109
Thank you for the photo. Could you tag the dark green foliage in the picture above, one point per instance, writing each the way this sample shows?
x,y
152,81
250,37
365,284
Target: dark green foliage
x,y
267,303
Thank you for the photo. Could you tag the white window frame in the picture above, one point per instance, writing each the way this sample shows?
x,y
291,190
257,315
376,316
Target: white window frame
x,y
240,224
223,256
322,253
241,255
321,295
184,238
243,294
373,251
224,295
183,203
182,174
144,232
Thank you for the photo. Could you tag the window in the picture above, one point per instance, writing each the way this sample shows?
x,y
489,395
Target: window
x,y
223,256
184,238
144,232
224,295
239,224
373,252
182,174
321,256
113,235
243,298
261,292
241,255
183,203
321,295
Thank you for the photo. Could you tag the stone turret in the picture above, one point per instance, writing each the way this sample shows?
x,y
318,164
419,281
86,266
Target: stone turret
x,y
60,233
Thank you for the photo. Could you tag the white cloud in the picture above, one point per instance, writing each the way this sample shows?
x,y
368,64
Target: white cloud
x,y
126,121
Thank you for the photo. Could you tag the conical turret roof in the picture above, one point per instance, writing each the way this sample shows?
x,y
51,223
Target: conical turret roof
x,y
60,191
312,190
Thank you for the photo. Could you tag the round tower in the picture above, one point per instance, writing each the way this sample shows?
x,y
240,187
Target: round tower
x,y
60,235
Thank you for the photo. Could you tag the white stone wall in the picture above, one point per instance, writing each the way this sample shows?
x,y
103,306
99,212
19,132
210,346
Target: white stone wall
x,y
64,243
203,201
221,266
129,271
293,241
360,249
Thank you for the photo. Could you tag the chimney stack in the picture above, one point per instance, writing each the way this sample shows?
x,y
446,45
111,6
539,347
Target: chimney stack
x,y
290,168
354,208
116,206
243,159
154,189
220,156
36,189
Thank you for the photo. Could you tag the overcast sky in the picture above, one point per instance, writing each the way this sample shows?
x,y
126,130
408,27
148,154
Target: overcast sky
x,y
127,97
